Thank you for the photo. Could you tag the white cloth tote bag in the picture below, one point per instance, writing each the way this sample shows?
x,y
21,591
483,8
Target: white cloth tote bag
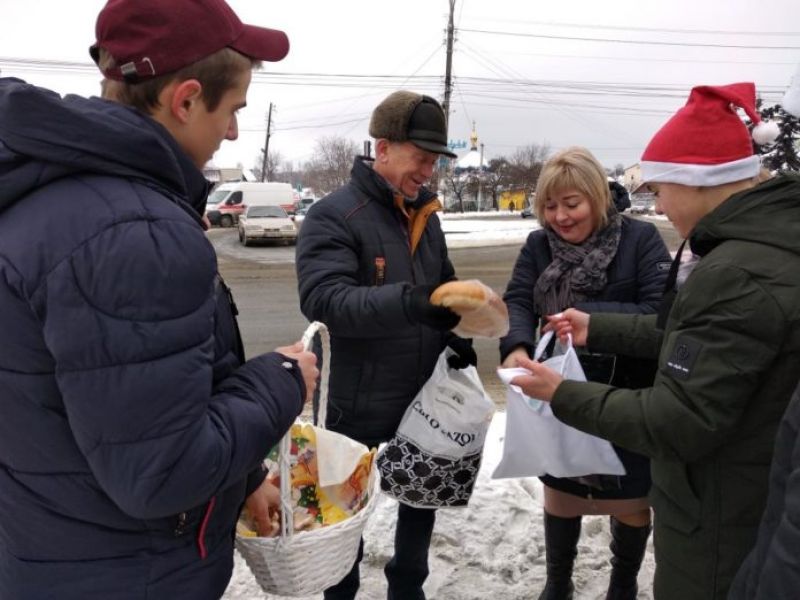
x,y
536,442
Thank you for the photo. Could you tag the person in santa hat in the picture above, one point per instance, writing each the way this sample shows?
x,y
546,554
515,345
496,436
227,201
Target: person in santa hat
x,y
727,339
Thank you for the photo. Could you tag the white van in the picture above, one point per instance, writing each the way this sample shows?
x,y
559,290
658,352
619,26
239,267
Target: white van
x,y
230,200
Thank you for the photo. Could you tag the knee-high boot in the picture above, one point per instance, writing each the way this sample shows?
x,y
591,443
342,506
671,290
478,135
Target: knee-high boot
x,y
561,547
628,545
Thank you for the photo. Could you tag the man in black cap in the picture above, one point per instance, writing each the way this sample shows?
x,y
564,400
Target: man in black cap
x,y
368,257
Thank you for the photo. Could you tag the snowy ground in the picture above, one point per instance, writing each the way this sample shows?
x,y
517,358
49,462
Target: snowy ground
x,y
489,228
494,548
485,229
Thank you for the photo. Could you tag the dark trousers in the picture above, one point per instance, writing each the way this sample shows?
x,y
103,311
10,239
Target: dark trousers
x,y
408,568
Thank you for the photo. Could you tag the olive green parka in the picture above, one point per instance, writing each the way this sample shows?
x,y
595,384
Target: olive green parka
x,y
729,359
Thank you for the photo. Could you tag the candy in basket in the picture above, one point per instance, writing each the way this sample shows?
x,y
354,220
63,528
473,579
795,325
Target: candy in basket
x,y
329,479
329,487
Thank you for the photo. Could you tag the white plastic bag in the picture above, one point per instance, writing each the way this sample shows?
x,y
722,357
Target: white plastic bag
x,y
536,442
433,459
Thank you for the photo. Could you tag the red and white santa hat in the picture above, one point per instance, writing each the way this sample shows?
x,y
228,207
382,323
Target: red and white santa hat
x,y
706,143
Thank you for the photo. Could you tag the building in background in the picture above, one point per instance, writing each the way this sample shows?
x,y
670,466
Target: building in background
x,y
633,177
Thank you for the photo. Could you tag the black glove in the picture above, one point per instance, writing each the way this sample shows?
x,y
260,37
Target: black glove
x,y
465,354
420,309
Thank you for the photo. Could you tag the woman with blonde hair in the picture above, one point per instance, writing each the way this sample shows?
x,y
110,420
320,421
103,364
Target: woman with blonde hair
x,y
588,255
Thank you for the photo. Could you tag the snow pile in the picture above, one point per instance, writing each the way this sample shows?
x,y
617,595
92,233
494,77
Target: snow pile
x,y
493,548
461,233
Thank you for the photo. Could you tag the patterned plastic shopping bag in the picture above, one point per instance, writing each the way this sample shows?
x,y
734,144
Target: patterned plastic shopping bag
x,y
433,459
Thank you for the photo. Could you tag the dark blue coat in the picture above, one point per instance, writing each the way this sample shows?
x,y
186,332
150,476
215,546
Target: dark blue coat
x,y
635,284
354,267
129,425
772,570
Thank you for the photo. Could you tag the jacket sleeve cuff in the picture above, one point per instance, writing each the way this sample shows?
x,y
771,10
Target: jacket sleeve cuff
x,y
255,479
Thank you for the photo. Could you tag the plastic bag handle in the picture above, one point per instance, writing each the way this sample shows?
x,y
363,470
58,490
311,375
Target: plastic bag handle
x,y
545,340
285,445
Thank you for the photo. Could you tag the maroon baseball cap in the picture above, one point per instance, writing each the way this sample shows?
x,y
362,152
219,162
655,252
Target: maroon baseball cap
x,y
148,38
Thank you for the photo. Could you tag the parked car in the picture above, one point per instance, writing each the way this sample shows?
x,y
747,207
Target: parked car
x,y
527,212
299,216
641,205
266,223
228,201
304,203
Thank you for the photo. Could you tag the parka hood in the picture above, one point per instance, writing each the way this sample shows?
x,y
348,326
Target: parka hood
x,y
44,137
768,214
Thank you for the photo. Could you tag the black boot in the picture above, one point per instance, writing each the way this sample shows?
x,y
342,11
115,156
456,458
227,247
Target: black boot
x,y
561,548
627,546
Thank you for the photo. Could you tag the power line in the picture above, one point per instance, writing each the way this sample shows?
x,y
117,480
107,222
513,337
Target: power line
x,y
619,41
392,81
643,29
645,59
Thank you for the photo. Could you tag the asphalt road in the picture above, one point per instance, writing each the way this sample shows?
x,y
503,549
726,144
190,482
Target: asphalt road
x,y
265,288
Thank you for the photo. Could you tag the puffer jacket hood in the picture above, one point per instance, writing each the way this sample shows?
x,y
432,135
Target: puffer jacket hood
x,y
767,214
44,137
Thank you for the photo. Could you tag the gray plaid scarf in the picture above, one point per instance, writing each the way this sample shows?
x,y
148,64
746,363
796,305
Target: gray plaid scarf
x,y
579,272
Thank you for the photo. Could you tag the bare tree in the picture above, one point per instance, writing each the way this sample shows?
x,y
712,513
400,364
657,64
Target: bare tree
x,y
525,165
273,166
496,178
455,184
330,166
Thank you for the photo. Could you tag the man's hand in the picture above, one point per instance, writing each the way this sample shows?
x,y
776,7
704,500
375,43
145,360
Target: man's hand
x,y
307,362
570,321
420,310
541,384
465,354
264,507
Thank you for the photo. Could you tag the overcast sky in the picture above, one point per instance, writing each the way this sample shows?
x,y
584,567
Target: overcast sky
x,y
525,72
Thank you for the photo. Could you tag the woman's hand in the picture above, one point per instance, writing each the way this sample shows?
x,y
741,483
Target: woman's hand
x,y
541,384
512,360
571,321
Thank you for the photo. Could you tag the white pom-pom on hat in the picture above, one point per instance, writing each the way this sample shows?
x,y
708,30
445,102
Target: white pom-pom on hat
x,y
766,132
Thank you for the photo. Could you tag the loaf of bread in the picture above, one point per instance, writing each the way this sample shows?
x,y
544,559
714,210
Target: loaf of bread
x,y
483,313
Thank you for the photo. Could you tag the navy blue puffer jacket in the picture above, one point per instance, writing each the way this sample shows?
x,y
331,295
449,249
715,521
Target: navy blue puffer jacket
x,y
356,262
129,423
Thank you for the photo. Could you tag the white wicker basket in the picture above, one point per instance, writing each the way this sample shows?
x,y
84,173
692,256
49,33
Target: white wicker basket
x,y
307,562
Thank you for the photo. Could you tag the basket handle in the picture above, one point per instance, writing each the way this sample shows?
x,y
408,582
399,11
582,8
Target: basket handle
x,y
308,344
284,446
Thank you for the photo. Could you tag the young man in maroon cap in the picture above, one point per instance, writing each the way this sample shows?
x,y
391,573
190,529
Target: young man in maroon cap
x,y
368,257
133,430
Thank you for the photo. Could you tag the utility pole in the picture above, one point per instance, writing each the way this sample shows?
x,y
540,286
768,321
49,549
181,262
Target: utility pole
x,y
444,162
266,145
480,179
448,84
